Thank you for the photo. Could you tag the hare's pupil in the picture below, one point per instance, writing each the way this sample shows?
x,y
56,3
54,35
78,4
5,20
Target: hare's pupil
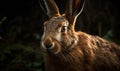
x,y
64,28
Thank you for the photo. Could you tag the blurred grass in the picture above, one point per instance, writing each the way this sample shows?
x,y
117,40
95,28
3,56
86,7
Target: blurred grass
x,y
18,57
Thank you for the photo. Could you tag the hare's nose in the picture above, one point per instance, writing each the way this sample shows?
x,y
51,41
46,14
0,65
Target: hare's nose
x,y
48,44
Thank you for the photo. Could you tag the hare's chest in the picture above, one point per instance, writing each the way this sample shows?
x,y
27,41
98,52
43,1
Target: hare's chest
x,y
63,64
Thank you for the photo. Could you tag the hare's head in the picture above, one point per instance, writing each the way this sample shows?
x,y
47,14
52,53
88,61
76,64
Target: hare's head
x,y
59,33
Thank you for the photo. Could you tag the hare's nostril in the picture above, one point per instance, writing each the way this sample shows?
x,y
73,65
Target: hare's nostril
x,y
48,46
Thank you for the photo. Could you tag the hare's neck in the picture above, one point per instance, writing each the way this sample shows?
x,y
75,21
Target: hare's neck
x,y
67,61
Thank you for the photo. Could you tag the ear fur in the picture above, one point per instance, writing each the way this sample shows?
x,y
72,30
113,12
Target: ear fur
x,y
42,5
73,10
50,7
78,7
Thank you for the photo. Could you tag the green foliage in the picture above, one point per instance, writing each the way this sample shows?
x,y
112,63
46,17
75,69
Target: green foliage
x,y
109,36
18,57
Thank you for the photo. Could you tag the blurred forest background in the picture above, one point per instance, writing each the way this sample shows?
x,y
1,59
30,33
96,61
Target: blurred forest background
x,y
21,27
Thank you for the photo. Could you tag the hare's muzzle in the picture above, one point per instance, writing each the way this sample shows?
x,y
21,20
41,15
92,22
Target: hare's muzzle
x,y
50,45
47,43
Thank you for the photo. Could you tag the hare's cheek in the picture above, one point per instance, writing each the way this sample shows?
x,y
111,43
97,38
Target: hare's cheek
x,y
57,37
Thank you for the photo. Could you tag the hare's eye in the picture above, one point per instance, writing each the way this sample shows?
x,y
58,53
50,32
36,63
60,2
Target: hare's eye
x,y
64,29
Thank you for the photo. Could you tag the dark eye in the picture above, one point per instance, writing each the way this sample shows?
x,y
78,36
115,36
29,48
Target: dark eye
x,y
64,29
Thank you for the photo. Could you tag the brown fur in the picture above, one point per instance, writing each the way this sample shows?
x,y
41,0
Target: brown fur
x,y
91,53
67,50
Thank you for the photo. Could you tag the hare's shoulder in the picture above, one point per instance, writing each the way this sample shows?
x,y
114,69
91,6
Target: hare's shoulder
x,y
97,42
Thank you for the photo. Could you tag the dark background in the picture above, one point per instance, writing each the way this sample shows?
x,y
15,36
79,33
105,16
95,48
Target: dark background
x,y
21,27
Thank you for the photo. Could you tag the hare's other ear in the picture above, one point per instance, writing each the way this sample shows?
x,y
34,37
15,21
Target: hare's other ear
x,y
49,7
73,9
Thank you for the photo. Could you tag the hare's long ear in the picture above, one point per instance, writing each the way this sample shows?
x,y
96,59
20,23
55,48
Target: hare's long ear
x,y
50,7
73,9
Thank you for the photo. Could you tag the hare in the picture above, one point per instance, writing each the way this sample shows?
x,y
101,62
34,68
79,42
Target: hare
x,y
67,50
